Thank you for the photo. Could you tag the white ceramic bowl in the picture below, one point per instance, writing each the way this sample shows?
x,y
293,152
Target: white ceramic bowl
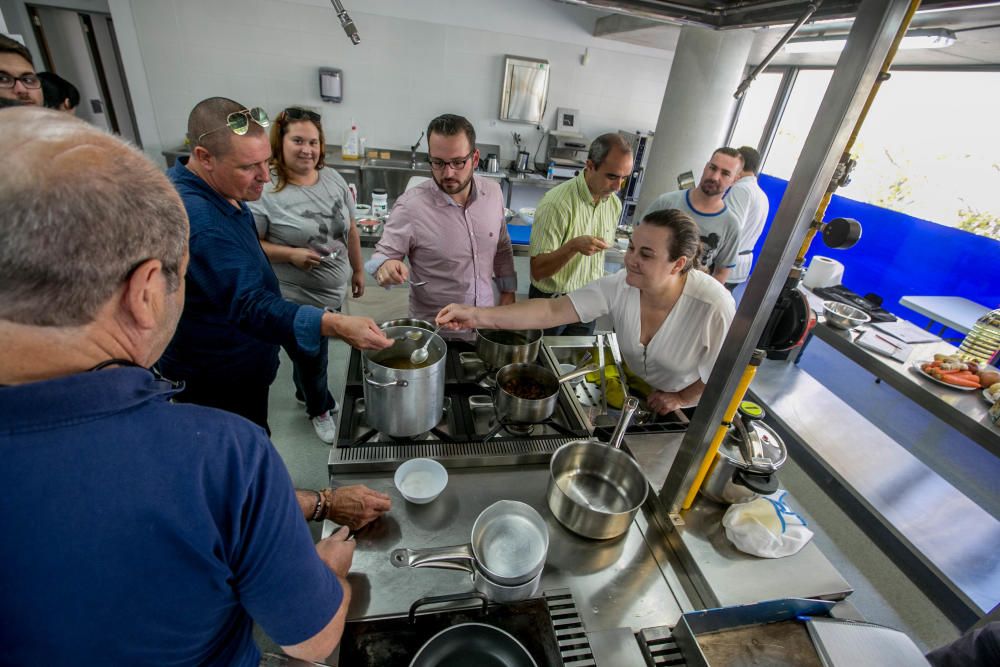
x,y
421,480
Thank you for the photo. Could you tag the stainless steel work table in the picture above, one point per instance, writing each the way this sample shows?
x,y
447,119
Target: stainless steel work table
x,y
966,411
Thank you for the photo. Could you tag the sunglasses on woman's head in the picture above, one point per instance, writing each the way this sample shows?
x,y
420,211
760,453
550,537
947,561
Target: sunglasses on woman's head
x,y
295,113
238,122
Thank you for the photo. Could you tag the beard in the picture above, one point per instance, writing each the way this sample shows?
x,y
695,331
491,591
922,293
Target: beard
x,y
710,188
453,185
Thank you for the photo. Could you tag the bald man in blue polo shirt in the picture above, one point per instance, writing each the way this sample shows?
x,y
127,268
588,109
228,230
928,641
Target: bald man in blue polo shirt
x,y
136,530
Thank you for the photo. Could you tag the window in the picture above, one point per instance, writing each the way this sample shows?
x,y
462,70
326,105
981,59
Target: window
x,y
755,110
803,103
930,148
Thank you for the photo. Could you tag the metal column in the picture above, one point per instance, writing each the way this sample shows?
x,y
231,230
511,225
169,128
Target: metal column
x,y
867,46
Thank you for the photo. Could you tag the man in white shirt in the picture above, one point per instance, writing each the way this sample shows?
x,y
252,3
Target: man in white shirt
x,y
750,205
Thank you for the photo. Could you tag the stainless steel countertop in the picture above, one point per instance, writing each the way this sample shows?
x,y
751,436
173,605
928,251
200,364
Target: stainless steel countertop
x,y
615,583
966,411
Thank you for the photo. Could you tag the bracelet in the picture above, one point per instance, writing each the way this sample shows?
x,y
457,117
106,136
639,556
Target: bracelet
x,y
320,510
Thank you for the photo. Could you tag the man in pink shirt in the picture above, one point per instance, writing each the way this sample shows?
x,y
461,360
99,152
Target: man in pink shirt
x,y
451,228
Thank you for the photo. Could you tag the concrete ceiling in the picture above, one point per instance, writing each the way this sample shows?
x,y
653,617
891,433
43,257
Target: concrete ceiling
x,y
977,29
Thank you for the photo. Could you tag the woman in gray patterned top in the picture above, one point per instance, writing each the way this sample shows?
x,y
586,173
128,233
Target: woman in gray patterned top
x,y
307,230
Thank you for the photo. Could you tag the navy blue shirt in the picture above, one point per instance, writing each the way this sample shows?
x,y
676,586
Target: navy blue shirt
x,y
138,531
234,316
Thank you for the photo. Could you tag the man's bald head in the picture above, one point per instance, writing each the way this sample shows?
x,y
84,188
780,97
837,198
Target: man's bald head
x,y
207,125
81,210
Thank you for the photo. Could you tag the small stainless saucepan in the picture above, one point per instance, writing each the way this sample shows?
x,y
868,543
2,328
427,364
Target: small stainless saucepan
x,y
595,490
510,542
529,393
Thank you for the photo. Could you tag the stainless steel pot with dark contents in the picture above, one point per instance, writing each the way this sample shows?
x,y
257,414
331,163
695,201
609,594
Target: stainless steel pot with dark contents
x,y
595,490
403,399
499,347
528,393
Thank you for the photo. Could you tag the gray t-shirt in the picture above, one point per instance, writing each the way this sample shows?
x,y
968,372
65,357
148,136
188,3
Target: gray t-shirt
x,y
304,217
720,232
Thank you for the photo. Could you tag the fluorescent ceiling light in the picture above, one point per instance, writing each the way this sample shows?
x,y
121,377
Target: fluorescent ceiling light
x,y
930,38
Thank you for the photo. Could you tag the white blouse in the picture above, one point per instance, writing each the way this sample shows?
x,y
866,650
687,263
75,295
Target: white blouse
x,y
688,341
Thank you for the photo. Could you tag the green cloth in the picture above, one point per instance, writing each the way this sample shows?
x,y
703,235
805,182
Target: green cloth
x,y
565,212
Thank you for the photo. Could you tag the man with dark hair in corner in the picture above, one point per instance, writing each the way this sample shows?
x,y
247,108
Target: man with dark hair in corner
x,y
750,205
139,531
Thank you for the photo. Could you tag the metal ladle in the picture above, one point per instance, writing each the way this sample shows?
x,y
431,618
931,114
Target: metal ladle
x,y
419,355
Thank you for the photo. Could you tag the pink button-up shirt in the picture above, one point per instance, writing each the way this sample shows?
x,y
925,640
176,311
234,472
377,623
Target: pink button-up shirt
x,y
460,251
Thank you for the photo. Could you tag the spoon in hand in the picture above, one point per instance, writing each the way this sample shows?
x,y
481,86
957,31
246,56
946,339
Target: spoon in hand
x,y
419,355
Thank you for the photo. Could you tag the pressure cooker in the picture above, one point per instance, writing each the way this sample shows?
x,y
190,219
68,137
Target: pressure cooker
x,y
748,459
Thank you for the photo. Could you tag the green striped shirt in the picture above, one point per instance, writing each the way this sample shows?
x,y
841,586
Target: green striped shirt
x,y
565,212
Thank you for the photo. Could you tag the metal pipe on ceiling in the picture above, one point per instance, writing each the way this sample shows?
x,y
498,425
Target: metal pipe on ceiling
x,y
742,88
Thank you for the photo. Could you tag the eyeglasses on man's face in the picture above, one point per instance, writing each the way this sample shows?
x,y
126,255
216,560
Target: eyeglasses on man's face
x,y
30,81
296,113
238,122
456,164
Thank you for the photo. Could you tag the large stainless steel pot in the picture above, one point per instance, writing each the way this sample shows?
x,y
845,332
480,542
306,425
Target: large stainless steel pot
x,y
402,400
746,465
595,490
533,379
499,347
510,542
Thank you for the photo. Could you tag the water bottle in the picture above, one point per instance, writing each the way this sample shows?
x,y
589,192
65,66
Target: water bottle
x,y
982,344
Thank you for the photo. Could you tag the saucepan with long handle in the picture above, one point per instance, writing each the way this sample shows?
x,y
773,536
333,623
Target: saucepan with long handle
x,y
510,542
595,490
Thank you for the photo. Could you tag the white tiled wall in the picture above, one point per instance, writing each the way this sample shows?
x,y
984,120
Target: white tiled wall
x,y
417,59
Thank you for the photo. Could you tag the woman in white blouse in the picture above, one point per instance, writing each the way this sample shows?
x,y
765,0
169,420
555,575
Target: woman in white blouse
x,y
670,320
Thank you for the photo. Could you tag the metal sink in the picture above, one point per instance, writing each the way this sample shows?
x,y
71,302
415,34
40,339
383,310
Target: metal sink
x,y
378,163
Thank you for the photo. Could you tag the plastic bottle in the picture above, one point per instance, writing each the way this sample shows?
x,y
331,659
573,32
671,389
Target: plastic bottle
x,y
352,144
550,173
982,343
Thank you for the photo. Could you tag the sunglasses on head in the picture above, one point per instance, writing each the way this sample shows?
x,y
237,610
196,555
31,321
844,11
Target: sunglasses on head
x,y
238,122
296,113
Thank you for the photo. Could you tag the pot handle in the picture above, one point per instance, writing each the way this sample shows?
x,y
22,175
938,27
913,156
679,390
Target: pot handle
x,y
765,485
383,385
580,372
434,599
457,557
628,409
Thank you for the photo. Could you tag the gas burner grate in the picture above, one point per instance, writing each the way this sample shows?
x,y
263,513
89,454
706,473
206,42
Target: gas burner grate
x,y
385,456
660,649
574,647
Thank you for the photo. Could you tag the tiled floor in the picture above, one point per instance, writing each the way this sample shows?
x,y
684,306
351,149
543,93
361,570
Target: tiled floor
x,y
882,593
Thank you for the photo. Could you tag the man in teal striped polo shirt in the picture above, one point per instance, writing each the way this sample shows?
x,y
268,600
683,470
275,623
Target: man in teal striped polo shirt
x,y
574,224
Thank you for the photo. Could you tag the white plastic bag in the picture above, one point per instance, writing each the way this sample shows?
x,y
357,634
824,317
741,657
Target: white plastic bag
x,y
766,527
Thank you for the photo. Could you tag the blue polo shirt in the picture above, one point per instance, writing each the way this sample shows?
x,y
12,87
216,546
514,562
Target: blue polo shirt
x,y
234,316
137,531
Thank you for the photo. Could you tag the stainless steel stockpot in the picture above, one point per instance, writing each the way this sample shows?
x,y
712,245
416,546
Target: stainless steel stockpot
x,y
408,322
402,401
499,347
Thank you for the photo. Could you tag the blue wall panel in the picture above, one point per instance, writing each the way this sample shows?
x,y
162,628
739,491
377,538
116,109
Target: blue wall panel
x,y
899,255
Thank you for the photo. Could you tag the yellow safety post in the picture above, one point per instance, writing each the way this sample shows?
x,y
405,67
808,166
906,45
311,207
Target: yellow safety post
x,y
727,419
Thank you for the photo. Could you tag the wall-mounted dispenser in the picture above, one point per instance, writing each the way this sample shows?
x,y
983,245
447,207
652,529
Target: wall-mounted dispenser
x,y
331,84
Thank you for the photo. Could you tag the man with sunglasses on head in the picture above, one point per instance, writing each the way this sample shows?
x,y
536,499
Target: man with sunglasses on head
x,y
18,80
226,346
451,228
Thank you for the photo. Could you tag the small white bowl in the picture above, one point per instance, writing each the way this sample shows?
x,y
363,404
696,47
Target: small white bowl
x,y
421,480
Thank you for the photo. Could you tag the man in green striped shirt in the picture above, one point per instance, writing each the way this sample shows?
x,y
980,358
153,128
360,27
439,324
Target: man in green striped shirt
x,y
574,224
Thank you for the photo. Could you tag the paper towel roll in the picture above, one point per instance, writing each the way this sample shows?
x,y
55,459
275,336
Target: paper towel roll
x,y
823,272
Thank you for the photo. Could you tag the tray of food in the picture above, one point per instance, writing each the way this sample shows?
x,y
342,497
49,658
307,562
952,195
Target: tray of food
x,y
952,371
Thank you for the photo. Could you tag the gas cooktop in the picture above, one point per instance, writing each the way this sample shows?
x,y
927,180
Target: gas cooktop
x,y
549,627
